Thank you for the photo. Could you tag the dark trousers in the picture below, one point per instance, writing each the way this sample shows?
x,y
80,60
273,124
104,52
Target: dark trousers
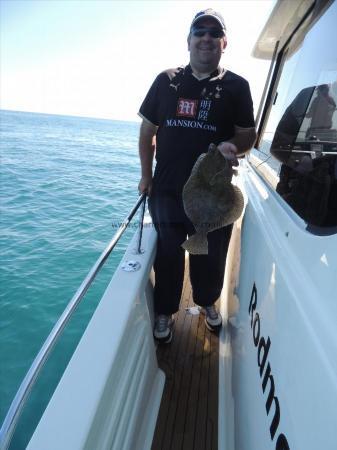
x,y
206,271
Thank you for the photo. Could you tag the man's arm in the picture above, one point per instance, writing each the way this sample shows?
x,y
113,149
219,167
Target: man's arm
x,y
146,152
244,124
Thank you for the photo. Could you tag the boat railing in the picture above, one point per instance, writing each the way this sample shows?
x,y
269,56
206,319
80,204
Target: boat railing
x,y
19,401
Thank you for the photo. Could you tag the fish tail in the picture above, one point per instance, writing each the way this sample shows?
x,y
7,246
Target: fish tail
x,y
196,244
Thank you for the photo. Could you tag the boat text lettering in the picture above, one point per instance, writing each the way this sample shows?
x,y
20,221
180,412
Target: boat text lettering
x,y
263,348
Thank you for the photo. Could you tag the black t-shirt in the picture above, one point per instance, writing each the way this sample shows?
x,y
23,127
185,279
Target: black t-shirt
x,y
191,114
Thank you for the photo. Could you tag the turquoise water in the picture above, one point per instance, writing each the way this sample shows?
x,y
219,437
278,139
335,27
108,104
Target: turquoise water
x,y
65,184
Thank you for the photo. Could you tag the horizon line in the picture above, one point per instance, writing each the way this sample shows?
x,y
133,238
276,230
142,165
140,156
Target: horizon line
x,y
69,115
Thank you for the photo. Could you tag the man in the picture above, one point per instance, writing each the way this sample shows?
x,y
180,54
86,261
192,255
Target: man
x,y
184,111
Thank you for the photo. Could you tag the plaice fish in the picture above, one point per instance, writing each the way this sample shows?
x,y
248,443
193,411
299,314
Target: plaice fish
x,y
210,199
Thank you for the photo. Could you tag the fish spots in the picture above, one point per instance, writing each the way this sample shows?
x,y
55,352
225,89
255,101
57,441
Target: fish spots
x,y
210,199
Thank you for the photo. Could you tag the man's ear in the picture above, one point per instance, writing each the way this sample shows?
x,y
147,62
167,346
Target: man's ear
x,y
224,43
188,41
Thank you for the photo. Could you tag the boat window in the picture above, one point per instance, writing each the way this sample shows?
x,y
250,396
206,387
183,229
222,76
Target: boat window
x,y
299,143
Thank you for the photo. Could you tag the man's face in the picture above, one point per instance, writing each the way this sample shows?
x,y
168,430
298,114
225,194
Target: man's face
x,y
206,50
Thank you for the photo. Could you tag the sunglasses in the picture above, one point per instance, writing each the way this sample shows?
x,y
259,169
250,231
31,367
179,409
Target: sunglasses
x,y
213,32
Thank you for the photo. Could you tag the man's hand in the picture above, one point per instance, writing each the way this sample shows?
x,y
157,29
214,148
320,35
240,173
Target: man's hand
x,y
229,151
145,185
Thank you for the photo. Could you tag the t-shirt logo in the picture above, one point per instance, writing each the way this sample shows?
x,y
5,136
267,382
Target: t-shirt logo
x,y
186,107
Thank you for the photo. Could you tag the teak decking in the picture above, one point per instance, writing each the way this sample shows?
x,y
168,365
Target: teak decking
x,y
188,416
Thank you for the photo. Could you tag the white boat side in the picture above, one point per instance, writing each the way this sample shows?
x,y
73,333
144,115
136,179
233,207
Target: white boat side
x,y
109,395
278,352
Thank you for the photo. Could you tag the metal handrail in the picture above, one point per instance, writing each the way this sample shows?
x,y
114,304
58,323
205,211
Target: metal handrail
x,y
139,249
14,412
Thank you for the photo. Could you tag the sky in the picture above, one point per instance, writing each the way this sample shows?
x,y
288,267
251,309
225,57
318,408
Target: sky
x,y
98,58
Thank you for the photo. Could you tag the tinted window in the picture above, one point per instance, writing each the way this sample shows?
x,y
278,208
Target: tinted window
x,y
300,138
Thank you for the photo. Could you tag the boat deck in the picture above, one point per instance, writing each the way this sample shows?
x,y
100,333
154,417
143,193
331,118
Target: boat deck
x,y
188,416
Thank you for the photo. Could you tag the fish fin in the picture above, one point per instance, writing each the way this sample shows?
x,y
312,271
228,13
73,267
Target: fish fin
x,y
196,244
212,148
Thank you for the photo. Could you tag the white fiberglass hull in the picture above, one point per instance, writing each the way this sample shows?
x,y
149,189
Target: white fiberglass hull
x,y
282,362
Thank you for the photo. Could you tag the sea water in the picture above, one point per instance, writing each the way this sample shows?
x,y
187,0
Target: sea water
x,y
66,183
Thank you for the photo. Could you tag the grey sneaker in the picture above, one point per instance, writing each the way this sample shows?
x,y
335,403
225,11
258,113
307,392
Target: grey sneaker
x,y
163,329
213,319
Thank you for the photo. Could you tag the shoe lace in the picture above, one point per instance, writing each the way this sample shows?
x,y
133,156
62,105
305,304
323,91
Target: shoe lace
x,y
162,322
211,312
